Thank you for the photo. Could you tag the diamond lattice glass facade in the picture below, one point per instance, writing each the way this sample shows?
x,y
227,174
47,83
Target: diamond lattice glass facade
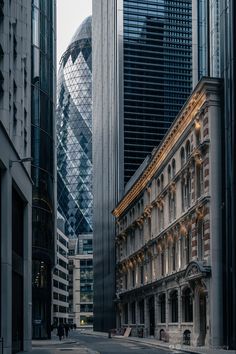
x,y
74,133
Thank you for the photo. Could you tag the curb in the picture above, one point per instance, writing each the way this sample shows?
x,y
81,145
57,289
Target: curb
x,y
157,345
41,345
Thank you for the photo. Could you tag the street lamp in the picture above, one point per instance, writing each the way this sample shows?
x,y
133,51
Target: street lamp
x,y
25,159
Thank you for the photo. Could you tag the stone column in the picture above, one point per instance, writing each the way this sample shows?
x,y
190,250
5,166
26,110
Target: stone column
x,y
156,309
6,256
129,313
166,260
28,277
180,260
146,318
179,308
167,310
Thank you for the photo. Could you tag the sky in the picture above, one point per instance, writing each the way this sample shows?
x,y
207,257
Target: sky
x,y
70,14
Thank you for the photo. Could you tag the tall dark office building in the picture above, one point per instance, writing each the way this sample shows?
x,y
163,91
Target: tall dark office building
x,y
157,73
141,78
214,46
74,133
43,165
228,73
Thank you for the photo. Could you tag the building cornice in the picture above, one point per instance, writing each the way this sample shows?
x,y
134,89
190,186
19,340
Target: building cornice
x,y
186,117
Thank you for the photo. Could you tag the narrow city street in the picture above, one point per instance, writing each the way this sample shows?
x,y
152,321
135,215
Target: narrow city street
x,y
92,344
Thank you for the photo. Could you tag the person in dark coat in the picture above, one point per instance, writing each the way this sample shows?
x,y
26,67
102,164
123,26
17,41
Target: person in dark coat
x,y
67,328
60,331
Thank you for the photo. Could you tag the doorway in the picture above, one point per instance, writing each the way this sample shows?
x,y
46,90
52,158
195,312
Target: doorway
x,y
151,307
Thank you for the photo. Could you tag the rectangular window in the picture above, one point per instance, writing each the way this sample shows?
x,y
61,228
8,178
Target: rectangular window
x,y
141,275
133,278
162,263
126,313
133,312
141,311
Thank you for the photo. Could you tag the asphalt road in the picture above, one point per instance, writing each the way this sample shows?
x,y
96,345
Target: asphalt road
x,y
92,344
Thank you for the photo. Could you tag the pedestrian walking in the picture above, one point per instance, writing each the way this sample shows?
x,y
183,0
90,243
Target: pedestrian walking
x,y
60,331
67,328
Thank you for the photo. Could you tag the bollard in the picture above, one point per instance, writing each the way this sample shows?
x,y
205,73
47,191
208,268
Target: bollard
x,y
109,333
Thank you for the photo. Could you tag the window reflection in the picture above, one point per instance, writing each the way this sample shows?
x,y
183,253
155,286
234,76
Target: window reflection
x,y
39,274
35,26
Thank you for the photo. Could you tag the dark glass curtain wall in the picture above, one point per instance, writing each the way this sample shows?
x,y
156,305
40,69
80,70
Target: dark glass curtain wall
x,y
43,174
157,73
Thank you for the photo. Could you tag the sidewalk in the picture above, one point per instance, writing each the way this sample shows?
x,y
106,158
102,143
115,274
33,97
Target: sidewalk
x,y
53,341
159,344
49,346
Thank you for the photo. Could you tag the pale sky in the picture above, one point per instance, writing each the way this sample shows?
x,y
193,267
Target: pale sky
x,y
70,14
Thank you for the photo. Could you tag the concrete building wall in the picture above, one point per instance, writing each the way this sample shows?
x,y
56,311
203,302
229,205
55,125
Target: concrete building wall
x,y
218,34
15,180
61,276
81,267
105,157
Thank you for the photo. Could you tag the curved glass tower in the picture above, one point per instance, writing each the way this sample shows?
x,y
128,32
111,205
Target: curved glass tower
x,y
74,133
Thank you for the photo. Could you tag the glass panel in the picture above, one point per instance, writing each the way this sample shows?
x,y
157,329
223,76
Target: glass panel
x,y
35,27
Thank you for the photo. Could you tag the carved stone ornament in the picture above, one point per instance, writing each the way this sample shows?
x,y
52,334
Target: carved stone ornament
x,y
198,158
172,188
197,125
196,270
182,229
200,212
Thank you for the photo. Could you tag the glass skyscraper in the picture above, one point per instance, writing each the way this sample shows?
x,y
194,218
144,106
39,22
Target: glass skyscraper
x,y
142,75
74,133
43,83
157,71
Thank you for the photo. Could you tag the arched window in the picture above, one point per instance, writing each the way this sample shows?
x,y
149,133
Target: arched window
x,y
160,218
172,206
169,173
183,193
141,275
182,156
187,304
162,302
198,136
199,179
200,243
162,181
158,186
188,190
133,278
173,168
188,247
174,256
187,148
174,306
162,263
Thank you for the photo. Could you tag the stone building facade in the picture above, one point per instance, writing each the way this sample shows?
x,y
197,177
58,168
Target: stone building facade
x,y
169,232
15,176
